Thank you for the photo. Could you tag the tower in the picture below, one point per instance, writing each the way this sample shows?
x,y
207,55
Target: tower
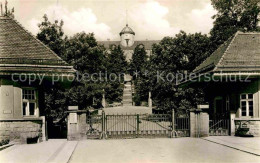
x,y
127,36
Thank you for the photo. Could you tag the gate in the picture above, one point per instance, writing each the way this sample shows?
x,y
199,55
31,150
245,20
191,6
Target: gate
x,y
121,126
182,126
154,125
136,126
94,126
219,127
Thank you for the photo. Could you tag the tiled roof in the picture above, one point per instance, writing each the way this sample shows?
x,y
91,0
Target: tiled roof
x,y
238,54
147,44
18,46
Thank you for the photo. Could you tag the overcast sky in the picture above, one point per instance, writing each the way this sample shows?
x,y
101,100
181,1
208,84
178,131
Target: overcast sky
x,y
150,19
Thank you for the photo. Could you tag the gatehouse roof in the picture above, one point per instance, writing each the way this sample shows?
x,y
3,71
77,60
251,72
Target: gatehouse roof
x,y
20,51
240,53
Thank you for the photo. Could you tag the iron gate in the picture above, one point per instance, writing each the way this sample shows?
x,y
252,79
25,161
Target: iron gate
x,y
121,126
182,126
94,126
219,127
136,126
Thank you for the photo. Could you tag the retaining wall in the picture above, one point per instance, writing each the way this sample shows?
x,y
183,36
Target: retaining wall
x,y
22,131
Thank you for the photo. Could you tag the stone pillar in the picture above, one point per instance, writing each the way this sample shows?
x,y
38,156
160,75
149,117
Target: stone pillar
x,y
199,121
204,124
232,123
150,102
82,129
73,133
193,122
44,129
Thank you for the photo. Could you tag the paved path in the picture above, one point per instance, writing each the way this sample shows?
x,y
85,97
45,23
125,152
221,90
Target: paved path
x,y
247,144
157,150
131,150
55,151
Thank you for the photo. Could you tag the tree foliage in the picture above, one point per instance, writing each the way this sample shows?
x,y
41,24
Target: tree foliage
x,y
52,35
116,67
233,15
87,57
170,58
83,51
139,59
138,68
116,60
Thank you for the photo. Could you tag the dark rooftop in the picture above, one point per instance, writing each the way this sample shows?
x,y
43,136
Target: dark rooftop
x,y
241,53
20,47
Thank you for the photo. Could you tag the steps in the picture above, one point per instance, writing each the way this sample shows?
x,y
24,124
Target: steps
x,y
127,94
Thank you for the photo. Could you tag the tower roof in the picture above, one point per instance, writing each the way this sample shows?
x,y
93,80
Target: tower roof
x,y
127,29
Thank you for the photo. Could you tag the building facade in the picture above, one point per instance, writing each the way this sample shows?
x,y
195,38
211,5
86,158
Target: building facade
x,y
230,78
27,68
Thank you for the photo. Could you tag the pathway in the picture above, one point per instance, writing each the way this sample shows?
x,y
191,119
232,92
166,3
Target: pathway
x,y
157,150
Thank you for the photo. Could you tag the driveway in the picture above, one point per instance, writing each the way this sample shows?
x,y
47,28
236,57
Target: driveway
x,y
157,150
126,150
53,150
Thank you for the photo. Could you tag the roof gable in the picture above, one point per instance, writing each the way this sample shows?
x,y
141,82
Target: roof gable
x,y
18,43
242,53
21,52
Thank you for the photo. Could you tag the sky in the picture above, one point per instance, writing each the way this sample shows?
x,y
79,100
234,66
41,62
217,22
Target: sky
x,y
150,19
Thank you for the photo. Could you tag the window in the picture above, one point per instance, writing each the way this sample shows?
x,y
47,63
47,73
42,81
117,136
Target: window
x,y
29,102
246,104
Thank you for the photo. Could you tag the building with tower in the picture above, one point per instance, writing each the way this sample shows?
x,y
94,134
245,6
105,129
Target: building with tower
x,y
128,43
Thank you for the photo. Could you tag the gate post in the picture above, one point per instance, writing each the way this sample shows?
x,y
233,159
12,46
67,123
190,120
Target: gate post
x,y
232,123
193,123
137,125
199,121
104,132
73,133
173,124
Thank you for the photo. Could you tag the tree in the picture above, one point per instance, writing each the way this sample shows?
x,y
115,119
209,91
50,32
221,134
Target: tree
x,y
139,58
116,60
84,53
138,67
233,15
171,57
86,56
52,35
116,67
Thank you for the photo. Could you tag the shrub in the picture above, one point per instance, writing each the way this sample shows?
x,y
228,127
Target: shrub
x,y
4,142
